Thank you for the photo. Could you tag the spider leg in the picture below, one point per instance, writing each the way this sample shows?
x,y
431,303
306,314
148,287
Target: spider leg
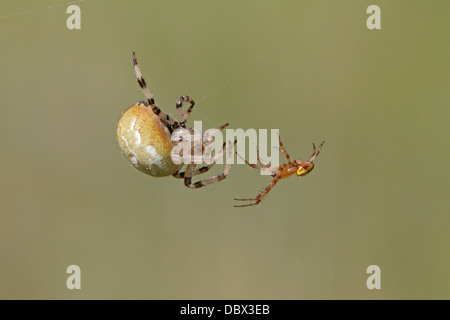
x,y
214,131
207,140
220,154
267,169
262,162
316,153
181,175
281,148
260,196
157,111
184,114
190,169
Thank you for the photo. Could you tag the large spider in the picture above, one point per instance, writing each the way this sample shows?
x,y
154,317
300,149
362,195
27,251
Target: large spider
x,y
283,171
144,134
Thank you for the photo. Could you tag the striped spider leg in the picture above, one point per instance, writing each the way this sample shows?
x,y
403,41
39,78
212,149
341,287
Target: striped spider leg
x,y
171,123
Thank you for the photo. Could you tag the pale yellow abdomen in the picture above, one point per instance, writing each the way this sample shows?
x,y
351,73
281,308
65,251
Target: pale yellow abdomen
x,y
146,142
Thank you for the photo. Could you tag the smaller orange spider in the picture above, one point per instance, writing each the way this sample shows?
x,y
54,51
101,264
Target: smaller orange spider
x,y
283,171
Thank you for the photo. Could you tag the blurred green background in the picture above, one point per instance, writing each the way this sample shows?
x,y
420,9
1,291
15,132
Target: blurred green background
x,y
379,193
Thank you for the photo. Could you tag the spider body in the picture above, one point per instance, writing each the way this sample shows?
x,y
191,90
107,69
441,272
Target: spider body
x,y
295,167
283,171
144,134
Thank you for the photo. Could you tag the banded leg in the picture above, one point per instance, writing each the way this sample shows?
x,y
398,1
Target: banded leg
x,y
260,196
183,115
164,117
191,168
208,139
316,153
281,148
181,175
262,162
211,132
267,169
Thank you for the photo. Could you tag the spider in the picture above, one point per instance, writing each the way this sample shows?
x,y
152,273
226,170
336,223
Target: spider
x,y
144,135
283,171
